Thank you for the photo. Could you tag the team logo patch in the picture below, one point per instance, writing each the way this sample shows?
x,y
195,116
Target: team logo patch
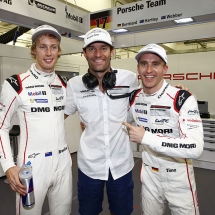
x,y
39,100
142,119
37,93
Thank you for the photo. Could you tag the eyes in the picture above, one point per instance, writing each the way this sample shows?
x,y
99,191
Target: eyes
x,y
44,47
93,49
144,64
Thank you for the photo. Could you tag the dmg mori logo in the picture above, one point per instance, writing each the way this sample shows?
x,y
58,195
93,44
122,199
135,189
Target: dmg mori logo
x,y
40,109
47,109
59,108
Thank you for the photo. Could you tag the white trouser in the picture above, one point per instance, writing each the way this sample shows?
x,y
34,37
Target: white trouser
x,y
52,176
174,185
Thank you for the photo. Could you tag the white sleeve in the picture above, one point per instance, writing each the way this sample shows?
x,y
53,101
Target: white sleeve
x,y
130,118
9,102
135,84
71,106
190,143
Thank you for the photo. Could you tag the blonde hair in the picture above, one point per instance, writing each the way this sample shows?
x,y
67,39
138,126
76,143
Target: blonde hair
x,y
33,46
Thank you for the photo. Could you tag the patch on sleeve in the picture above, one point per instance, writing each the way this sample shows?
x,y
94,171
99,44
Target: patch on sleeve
x,y
63,80
15,82
133,96
180,98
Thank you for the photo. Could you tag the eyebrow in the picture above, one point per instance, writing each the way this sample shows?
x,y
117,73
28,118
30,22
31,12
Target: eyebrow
x,y
46,44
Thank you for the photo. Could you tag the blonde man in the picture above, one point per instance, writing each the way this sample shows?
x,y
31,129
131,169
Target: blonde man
x,y
38,97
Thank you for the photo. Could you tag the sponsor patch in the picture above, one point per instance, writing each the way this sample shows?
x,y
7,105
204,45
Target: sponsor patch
x,y
36,93
159,131
155,169
192,126
193,112
179,145
161,121
158,110
170,170
33,155
56,89
48,154
39,100
42,6
142,119
58,99
141,111
64,149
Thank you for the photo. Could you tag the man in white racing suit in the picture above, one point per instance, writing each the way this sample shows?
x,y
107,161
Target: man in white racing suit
x,y
170,129
38,98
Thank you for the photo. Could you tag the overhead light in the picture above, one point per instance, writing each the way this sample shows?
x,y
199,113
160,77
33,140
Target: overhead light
x,y
122,30
184,20
82,36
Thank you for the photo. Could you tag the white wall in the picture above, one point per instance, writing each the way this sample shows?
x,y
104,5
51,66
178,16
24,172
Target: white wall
x,y
96,5
198,63
92,5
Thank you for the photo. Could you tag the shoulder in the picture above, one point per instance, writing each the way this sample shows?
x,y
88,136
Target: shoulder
x,y
15,82
179,96
76,82
135,96
124,71
127,75
62,79
76,79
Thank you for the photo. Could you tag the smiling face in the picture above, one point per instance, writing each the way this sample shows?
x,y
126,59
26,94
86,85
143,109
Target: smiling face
x,y
151,69
46,53
98,55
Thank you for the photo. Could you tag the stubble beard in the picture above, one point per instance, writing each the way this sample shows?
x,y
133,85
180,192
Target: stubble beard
x,y
102,70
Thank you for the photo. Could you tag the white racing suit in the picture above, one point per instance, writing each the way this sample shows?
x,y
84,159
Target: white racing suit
x,y
174,136
39,103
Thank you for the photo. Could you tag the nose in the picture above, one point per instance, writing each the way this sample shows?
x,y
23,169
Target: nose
x,y
97,53
149,68
48,51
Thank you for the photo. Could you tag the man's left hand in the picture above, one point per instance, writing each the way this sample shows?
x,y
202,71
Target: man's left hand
x,y
135,133
181,86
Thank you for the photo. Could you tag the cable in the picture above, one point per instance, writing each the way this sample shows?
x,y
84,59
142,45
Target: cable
x,y
75,3
66,6
16,35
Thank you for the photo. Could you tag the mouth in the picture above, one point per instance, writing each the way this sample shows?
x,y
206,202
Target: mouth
x,y
48,60
98,61
149,77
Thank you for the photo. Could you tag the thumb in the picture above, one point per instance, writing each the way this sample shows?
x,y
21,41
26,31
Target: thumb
x,y
127,125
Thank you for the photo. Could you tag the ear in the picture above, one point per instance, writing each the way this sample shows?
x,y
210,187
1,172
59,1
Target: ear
x,y
33,51
84,54
112,52
165,69
138,67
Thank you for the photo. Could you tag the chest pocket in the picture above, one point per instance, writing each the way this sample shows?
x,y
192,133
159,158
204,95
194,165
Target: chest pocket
x,y
89,108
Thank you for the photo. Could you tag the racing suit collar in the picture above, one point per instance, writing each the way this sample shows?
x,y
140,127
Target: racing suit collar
x,y
148,99
47,78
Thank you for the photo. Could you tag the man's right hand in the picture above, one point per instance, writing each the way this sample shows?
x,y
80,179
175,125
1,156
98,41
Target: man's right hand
x,y
83,126
13,179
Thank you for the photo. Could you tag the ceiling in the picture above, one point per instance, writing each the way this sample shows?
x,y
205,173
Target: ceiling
x,y
21,36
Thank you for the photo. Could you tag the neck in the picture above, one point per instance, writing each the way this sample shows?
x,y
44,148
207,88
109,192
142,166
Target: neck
x,y
41,72
153,90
